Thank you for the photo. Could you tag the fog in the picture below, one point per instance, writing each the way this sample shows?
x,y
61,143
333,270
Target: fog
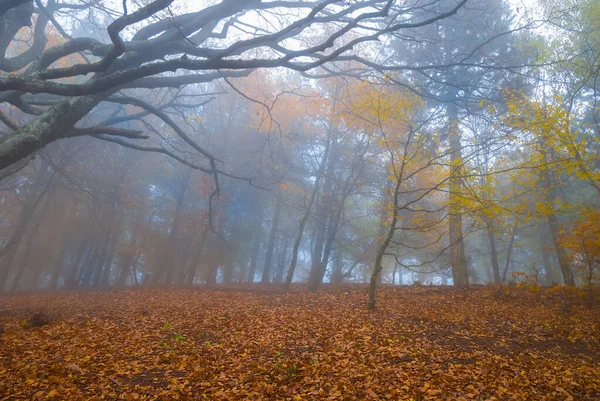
x,y
438,142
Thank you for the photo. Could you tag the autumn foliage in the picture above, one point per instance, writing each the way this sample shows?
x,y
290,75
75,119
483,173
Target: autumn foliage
x,y
422,343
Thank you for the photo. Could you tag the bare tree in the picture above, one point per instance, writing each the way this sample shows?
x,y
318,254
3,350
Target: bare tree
x,y
209,43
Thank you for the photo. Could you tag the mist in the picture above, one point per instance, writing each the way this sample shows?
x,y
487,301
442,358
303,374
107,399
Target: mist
x,y
349,154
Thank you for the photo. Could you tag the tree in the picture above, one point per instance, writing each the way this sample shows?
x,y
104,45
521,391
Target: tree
x,y
160,45
583,243
486,56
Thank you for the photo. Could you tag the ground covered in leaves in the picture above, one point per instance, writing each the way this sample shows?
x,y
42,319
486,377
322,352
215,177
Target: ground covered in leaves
x,y
422,343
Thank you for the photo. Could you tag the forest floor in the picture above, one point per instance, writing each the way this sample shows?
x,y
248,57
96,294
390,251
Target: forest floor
x,y
422,343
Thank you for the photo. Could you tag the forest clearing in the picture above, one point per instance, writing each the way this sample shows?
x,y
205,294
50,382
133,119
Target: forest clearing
x,y
300,200
243,343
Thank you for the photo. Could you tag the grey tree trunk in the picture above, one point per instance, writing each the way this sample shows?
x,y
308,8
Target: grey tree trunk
x,y
509,250
195,262
545,248
38,189
458,261
304,219
384,245
130,256
167,263
553,224
320,255
58,264
272,237
256,243
283,252
493,251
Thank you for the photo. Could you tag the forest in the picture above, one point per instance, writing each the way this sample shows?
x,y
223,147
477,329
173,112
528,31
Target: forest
x,y
229,199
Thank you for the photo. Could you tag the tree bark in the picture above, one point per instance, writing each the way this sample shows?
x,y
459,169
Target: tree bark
x,y
58,264
384,246
38,189
196,258
553,224
545,249
509,250
167,263
460,275
282,259
130,256
493,251
320,255
272,237
256,243
304,219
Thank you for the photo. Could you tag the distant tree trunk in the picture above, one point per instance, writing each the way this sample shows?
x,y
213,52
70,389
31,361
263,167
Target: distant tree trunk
x,y
282,259
319,258
384,245
460,275
25,260
167,263
34,282
338,268
228,265
509,250
256,243
383,218
100,272
493,251
333,228
36,192
58,264
71,279
195,261
211,276
550,194
87,269
398,267
545,249
304,219
131,255
561,253
24,264
272,237
115,234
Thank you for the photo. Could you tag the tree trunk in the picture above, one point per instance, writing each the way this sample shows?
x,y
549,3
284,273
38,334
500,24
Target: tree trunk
x,y
25,261
561,253
34,195
509,250
100,272
258,233
167,263
272,237
320,256
304,219
282,259
384,245
34,282
545,249
548,186
130,256
338,268
71,279
196,257
458,262
58,264
211,275
493,251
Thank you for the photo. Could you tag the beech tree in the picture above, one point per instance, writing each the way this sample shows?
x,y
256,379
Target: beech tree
x,y
159,46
